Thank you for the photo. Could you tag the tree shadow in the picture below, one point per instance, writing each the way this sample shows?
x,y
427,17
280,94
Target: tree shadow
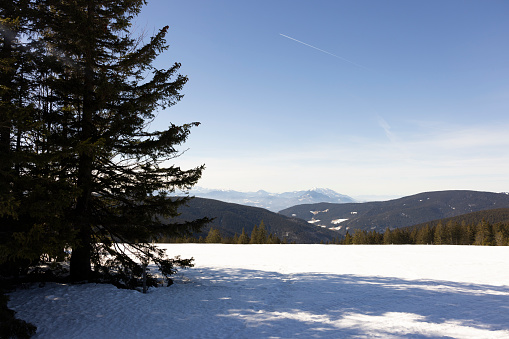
x,y
253,303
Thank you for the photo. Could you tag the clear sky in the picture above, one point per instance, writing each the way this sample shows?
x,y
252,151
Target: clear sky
x,y
362,97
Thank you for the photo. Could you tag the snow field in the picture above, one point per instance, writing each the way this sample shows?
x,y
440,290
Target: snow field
x,y
292,291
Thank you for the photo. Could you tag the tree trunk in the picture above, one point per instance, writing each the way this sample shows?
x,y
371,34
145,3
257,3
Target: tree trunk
x,y
80,258
82,253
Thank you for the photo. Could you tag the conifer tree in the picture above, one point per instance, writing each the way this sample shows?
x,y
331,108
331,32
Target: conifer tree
x,y
484,234
438,236
500,239
468,234
273,239
243,238
30,201
388,238
214,236
254,235
11,28
348,239
424,235
359,237
96,159
262,236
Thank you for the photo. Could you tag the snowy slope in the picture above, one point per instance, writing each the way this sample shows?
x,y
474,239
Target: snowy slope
x,y
292,291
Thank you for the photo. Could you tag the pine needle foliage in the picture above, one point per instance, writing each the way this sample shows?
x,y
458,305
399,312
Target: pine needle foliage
x,y
85,142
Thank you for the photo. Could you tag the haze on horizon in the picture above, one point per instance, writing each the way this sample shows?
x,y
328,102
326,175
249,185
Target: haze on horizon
x,y
284,105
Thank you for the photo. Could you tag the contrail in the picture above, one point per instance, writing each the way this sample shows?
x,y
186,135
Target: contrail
x,y
321,50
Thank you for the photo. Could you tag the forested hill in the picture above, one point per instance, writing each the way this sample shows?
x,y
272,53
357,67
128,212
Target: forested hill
x,y
230,218
492,216
402,212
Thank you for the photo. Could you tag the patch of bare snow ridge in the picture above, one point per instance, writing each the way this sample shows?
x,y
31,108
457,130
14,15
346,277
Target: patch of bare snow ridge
x,y
292,291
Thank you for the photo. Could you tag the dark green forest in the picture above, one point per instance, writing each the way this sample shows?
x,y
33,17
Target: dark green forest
x,y
482,233
482,228
258,235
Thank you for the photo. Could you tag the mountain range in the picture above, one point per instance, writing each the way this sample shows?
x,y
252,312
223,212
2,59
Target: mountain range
x,y
313,223
402,212
273,201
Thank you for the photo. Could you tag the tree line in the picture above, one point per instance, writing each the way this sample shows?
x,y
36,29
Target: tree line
x,y
483,233
259,235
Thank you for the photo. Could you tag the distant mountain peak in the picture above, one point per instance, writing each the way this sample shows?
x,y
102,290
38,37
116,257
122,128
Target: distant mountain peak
x,y
273,201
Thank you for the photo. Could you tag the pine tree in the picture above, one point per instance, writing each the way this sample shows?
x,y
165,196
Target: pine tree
x,y
388,238
214,236
424,235
273,239
375,238
262,236
30,218
455,232
359,237
484,234
348,239
468,236
10,48
243,238
500,239
439,237
95,158
254,235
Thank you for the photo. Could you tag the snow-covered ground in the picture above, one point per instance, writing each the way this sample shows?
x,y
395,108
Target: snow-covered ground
x,y
292,291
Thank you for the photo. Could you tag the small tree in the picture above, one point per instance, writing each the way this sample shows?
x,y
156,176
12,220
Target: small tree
x,y
348,239
359,237
274,239
214,236
254,235
388,238
243,238
439,234
262,236
424,235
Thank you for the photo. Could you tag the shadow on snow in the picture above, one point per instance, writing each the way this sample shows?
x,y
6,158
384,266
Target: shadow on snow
x,y
252,303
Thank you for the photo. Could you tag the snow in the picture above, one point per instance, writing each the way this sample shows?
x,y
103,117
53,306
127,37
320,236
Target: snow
x,y
292,291
338,221
316,212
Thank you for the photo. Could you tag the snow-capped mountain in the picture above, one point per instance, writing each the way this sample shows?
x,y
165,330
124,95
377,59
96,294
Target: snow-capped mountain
x,y
273,201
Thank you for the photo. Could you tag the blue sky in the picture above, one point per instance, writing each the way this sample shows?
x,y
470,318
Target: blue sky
x,y
363,97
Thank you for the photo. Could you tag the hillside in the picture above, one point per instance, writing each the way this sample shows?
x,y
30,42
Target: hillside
x,y
493,216
231,218
406,211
